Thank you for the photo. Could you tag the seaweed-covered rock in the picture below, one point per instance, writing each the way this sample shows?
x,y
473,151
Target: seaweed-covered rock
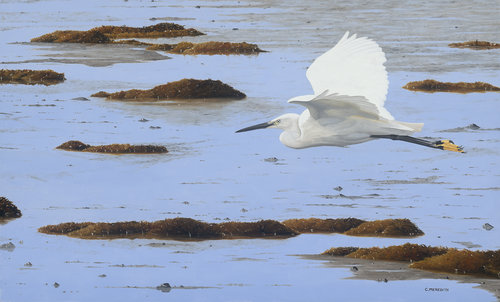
x,y
160,30
74,36
127,148
112,230
8,209
439,259
101,94
406,252
463,262
460,87
182,227
64,228
183,89
477,45
260,228
208,48
113,148
386,228
177,228
30,77
340,251
73,146
316,225
107,33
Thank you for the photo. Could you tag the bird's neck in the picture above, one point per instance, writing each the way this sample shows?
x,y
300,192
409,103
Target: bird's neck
x,y
291,136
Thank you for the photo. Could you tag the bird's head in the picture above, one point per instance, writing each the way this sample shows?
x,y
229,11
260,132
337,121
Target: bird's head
x,y
284,122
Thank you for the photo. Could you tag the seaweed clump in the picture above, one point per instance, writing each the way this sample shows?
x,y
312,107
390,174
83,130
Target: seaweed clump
x,y
477,45
182,89
386,228
463,262
63,228
160,30
207,48
440,259
8,209
107,33
460,87
30,77
187,227
74,36
254,229
316,225
340,251
406,252
177,228
113,148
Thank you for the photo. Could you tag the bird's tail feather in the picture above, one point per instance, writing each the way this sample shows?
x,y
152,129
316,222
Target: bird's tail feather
x,y
416,127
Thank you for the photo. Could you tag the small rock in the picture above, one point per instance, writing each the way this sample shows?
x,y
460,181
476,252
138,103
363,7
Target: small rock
x,y
354,268
165,287
473,126
154,127
143,120
244,210
56,285
102,276
338,188
271,159
80,98
8,246
487,226
28,264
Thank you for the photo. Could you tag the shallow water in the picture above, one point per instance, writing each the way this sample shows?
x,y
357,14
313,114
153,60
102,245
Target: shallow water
x,y
213,174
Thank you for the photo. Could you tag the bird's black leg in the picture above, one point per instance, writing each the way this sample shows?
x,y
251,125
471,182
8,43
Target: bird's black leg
x,y
442,144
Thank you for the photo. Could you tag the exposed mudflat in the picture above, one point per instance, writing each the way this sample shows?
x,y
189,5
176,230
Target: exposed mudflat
x,y
390,271
214,175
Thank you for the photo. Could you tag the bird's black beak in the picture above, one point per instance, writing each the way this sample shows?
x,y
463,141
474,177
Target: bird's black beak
x,y
255,127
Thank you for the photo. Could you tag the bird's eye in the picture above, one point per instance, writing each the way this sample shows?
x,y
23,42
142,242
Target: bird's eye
x,y
277,122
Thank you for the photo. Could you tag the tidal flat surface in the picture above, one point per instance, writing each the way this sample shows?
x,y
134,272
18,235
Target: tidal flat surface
x,y
212,174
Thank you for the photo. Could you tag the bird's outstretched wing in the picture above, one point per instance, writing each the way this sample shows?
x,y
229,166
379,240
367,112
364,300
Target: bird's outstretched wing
x,y
353,67
333,109
336,107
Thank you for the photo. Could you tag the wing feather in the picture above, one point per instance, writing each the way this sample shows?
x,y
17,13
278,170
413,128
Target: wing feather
x,y
336,107
353,67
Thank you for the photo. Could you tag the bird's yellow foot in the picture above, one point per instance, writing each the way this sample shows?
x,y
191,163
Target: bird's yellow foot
x,y
449,145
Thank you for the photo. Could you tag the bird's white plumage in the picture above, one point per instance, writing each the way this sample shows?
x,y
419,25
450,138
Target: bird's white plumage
x,y
350,87
338,106
354,67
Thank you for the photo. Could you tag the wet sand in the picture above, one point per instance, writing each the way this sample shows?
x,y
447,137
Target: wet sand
x,y
390,271
214,175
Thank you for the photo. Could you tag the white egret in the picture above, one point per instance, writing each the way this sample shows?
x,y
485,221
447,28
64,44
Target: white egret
x,y
350,86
